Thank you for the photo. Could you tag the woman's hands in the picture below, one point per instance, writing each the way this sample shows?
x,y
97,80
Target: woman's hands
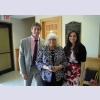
x,y
53,69
80,82
47,68
56,68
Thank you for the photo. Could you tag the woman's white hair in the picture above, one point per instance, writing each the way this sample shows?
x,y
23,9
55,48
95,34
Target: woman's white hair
x,y
53,36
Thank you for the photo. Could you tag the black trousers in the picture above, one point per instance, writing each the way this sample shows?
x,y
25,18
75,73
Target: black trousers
x,y
53,82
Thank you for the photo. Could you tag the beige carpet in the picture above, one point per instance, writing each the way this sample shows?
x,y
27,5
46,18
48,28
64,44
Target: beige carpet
x,y
12,79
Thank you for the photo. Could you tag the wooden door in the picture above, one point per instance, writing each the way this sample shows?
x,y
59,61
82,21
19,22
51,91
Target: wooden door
x,y
51,24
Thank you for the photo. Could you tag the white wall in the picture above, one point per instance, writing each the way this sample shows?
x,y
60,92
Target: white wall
x,y
18,31
89,33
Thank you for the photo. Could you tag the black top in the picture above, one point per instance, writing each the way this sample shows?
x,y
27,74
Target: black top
x,y
53,75
52,53
81,54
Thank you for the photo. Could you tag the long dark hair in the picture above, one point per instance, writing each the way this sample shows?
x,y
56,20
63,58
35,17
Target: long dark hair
x,y
69,44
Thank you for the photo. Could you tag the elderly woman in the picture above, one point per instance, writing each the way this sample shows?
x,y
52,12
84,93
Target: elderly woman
x,y
51,61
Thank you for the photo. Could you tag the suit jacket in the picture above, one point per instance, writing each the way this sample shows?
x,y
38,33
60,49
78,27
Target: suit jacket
x,y
25,54
44,57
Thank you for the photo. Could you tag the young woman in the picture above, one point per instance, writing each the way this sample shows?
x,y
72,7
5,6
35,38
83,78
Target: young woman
x,y
76,56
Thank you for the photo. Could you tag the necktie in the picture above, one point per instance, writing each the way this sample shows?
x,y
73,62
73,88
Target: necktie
x,y
35,52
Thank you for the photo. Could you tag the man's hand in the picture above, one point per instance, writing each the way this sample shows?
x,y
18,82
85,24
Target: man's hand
x,y
24,76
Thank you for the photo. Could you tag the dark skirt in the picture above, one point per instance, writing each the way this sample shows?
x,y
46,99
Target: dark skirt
x,y
53,82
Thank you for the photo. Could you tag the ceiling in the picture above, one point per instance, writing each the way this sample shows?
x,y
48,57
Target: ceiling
x,y
21,16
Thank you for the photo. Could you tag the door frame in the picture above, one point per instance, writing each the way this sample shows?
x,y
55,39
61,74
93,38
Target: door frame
x,y
9,25
42,21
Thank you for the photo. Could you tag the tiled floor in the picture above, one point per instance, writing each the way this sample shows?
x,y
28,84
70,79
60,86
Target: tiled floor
x,y
12,79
